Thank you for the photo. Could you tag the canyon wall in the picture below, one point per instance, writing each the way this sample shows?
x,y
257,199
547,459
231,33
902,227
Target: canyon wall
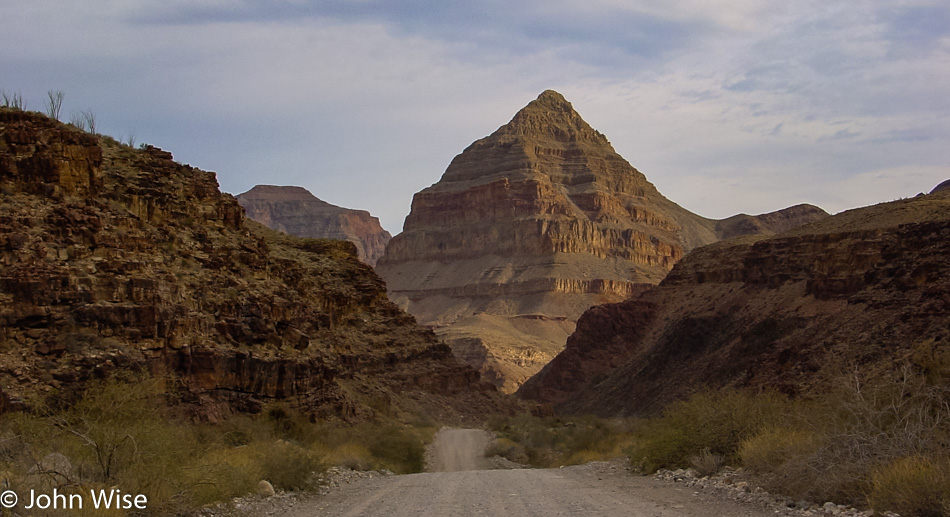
x,y
858,295
116,259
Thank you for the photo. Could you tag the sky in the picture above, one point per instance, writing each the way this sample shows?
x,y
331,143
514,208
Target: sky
x,y
745,106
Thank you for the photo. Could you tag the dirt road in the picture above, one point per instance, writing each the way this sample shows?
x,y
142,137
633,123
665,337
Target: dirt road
x,y
456,450
588,490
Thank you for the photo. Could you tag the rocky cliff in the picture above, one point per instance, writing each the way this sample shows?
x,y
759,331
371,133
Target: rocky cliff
x,y
115,258
296,211
855,293
528,228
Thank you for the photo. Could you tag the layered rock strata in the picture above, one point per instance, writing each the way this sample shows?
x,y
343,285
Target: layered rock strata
x,y
113,258
531,226
859,293
296,211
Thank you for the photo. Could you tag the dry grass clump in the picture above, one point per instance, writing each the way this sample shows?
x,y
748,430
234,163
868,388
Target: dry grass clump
x,y
707,463
914,485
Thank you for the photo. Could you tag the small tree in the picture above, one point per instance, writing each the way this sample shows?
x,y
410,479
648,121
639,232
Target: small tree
x,y
54,104
90,121
13,100
77,121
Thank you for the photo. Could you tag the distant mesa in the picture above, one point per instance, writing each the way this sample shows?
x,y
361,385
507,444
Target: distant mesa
x,y
295,211
532,225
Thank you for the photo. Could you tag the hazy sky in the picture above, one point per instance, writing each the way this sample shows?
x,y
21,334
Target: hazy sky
x,y
741,106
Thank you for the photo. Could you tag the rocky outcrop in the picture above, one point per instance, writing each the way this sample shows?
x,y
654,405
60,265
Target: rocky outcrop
x,y
941,187
531,226
113,258
861,291
296,211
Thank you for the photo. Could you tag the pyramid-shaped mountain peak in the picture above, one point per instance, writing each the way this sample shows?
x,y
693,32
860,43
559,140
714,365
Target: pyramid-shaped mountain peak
x,y
550,117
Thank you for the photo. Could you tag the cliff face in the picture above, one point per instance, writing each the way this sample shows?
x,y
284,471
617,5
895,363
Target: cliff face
x,y
114,258
531,226
296,211
858,291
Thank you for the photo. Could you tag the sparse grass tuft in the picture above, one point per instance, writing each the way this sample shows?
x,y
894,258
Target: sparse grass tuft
x,y
707,463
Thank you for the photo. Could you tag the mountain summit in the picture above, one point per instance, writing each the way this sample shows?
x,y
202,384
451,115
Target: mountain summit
x,y
529,227
551,115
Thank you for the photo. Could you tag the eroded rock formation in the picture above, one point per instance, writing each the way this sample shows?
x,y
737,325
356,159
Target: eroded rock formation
x,y
861,292
296,211
531,226
115,258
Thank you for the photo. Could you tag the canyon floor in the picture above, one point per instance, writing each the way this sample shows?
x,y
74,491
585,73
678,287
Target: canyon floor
x,y
454,488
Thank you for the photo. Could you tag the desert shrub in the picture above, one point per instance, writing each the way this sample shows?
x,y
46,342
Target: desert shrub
x,y
706,463
783,459
222,474
831,447
552,442
122,432
287,465
865,424
507,449
375,445
582,457
767,451
911,486
398,449
717,422
351,455
119,432
12,100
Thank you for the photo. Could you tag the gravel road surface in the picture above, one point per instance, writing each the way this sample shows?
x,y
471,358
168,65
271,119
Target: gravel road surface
x,y
452,489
